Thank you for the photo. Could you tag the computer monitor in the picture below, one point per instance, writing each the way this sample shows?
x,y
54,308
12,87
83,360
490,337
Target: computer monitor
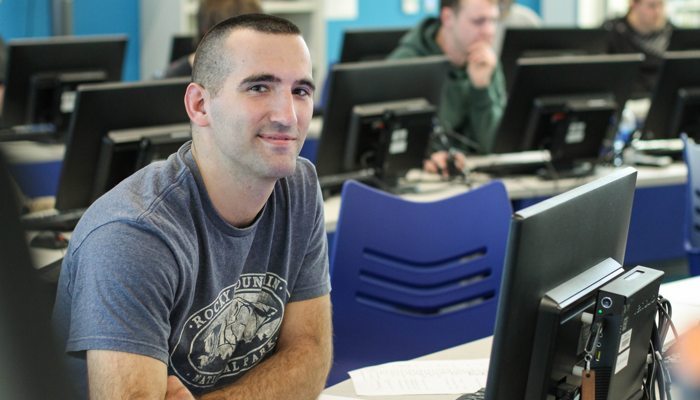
x,y
182,45
371,83
370,44
102,108
27,350
549,42
566,105
578,234
683,39
125,151
675,104
42,75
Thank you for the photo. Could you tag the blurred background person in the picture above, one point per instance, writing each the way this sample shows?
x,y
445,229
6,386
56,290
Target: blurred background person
x,y
645,29
210,13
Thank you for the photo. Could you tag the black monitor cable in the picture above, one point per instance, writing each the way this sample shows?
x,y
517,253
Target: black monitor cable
x,y
658,375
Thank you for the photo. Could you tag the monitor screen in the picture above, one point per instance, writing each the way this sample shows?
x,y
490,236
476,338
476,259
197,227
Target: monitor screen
x,y
102,108
550,243
125,151
182,45
42,75
369,83
370,45
675,104
549,42
684,39
566,105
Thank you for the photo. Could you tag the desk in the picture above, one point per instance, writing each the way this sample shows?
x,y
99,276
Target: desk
x,y
658,214
686,315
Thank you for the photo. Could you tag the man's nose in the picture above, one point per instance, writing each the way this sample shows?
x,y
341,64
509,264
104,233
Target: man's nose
x,y
283,110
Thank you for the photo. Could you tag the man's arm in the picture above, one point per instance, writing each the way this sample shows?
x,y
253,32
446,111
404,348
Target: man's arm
x,y
302,359
120,375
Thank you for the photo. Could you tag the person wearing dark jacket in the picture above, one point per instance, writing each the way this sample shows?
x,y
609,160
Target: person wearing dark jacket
x,y
474,95
210,13
645,29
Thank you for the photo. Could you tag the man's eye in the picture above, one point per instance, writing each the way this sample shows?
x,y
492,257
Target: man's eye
x,y
258,88
301,92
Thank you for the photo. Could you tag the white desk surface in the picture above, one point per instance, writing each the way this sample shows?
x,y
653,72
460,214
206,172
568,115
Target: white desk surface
x,y
686,314
523,187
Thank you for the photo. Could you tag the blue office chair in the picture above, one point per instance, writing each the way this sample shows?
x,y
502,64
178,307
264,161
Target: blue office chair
x,y
414,278
691,152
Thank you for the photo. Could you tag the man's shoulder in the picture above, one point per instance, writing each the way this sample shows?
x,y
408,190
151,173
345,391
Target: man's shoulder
x,y
160,187
419,41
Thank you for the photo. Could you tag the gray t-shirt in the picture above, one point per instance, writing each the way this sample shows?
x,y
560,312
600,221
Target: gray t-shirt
x,y
153,269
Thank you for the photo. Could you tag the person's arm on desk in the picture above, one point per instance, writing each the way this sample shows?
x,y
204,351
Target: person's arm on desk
x,y
297,370
299,367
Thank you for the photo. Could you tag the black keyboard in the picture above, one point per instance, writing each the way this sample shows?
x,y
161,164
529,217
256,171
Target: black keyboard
x,y
28,132
478,395
510,169
52,220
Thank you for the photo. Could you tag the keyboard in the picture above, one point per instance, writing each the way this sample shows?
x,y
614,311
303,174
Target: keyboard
x,y
52,220
501,170
478,395
28,132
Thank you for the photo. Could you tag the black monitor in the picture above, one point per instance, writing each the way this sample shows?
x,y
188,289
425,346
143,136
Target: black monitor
x,y
675,104
125,151
683,39
549,42
182,45
566,247
370,44
378,84
27,350
103,108
566,105
42,75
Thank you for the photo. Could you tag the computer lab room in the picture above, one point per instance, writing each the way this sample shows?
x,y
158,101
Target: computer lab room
x,y
350,199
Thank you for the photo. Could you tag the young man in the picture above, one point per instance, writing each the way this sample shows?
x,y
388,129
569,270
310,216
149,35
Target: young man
x,y
645,29
474,95
207,274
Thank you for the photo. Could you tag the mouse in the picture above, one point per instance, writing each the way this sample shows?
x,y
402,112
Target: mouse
x,y
49,240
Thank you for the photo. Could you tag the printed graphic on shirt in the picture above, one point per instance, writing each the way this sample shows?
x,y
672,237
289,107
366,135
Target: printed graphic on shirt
x,y
233,333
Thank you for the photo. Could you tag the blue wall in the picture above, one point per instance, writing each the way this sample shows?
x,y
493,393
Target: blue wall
x,y
92,17
25,18
371,14
382,13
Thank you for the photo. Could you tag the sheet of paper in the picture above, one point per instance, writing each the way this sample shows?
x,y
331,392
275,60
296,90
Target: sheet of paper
x,y
680,292
330,397
341,9
421,377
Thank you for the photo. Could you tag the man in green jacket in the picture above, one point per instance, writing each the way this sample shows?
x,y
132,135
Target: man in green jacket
x,y
474,95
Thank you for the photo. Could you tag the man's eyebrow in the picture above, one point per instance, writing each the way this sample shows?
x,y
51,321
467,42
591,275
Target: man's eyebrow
x,y
260,78
307,82
272,78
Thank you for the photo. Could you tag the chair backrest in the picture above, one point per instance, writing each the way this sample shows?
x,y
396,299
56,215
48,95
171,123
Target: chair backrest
x,y
413,278
691,153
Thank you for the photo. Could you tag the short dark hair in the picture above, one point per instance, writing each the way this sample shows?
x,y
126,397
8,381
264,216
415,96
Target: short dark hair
x,y
211,66
455,4
212,12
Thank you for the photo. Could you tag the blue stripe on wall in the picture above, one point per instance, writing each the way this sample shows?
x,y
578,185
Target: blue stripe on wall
x,y
25,18
91,17
382,14
371,14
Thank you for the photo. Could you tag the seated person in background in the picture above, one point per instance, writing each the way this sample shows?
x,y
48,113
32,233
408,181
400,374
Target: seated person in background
x,y
645,29
207,274
513,16
210,13
474,95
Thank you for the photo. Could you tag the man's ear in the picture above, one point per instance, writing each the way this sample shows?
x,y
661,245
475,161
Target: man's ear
x,y
447,16
197,104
